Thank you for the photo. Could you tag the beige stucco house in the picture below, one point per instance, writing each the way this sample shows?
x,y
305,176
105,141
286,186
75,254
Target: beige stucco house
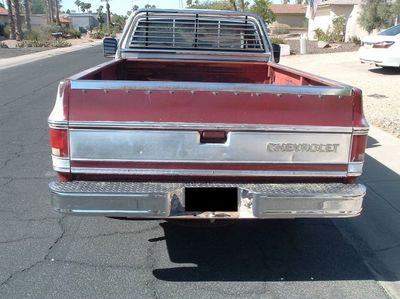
x,y
3,16
330,9
290,14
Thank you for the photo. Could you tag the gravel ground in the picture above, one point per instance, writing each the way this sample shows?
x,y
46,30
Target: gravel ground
x,y
312,47
379,86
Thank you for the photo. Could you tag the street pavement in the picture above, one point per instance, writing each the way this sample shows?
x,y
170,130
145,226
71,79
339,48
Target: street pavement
x,y
45,255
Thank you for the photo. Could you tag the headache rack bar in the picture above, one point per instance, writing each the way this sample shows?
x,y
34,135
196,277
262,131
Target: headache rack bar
x,y
196,31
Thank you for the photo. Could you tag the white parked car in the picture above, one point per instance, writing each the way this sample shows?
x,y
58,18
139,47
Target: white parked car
x,y
382,49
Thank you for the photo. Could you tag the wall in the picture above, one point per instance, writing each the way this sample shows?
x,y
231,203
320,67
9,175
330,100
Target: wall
x,y
38,21
3,19
87,22
295,21
322,20
353,28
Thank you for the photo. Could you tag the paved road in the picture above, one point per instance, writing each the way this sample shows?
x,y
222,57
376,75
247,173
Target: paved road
x,y
44,255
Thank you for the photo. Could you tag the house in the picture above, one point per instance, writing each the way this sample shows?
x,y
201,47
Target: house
x,y
3,20
293,15
330,9
3,16
83,20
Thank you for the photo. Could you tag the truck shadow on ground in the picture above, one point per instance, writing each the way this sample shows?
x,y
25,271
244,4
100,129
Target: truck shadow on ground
x,y
261,250
267,250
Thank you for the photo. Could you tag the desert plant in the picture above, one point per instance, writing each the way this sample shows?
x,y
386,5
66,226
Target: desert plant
x,y
59,43
321,35
339,29
280,29
33,44
97,34
55,43
355,40
71,33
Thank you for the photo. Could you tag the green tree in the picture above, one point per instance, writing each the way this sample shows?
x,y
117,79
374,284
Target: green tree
x,y
376,14
38,7
149,6
101,16
210,4
263,9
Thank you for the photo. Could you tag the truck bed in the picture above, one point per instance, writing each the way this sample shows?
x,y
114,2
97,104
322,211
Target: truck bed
x,y
203,71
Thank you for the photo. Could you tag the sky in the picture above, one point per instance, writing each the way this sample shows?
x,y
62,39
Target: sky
x,y
122,6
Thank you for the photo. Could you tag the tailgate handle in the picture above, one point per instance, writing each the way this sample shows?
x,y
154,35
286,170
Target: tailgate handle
x,y
213,136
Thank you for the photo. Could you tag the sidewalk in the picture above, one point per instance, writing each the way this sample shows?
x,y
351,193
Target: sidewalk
x,y
19,60
376,233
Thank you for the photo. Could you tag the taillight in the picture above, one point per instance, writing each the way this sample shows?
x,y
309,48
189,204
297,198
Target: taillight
x,y
358,148
383,45
357,155
59,142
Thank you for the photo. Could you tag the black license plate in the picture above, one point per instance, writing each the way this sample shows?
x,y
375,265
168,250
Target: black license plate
x,y
211,199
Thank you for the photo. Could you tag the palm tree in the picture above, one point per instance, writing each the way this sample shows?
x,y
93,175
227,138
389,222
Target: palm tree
x,y
57,6
242,5
108,13
27,16
11,20
50,11
18,31
233,3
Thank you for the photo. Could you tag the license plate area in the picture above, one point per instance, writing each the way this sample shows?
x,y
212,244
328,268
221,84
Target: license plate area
x,y
211,199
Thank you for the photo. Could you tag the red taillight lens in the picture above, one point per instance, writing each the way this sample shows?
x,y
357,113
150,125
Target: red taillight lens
x,y
358,148
383,45
59,142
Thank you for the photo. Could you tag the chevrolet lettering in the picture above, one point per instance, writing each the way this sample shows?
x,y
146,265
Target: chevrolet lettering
x,y
193,117
302,147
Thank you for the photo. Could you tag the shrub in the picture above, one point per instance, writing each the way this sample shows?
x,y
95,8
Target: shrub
x,y
33,44
6,31
277,40
355,40
3,45
55,43
97,34
280,29
339,29
59,43
322,35
336,35
71,33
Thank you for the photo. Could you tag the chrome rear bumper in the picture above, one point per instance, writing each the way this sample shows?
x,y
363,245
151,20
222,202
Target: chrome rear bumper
x,y
167,200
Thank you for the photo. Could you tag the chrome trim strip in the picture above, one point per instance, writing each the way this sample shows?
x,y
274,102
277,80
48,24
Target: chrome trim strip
x,y
203,172
156,146
360,130
355,168
54,124
207,126
61,164
211,87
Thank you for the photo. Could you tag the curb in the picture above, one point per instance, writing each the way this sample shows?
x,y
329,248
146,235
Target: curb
x,y
20,60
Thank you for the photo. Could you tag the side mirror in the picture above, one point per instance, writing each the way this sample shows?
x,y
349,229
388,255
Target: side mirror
x,y
277,52
110,46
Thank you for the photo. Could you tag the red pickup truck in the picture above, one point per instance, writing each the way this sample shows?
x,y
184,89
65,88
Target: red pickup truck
x,y
194,118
